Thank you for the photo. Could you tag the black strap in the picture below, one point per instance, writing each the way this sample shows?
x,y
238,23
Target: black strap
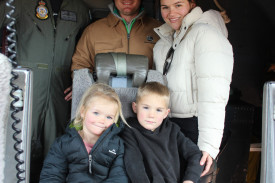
x,y
168,60
170,55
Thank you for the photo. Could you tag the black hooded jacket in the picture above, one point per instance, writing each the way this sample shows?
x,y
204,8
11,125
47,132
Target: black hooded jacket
x,y
160,156
69,161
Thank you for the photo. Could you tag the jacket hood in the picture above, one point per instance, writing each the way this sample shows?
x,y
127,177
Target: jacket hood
x,y
215,19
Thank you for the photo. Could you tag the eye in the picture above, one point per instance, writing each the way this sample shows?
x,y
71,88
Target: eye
x,y
145,107
96,113
109,117
178,5
164,7
159,110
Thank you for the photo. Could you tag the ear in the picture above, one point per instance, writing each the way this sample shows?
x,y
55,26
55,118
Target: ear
x,y
166,114
134,106
82,112
193,4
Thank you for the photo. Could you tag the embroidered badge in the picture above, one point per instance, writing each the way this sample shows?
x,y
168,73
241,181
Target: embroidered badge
x,y
41,10
68,16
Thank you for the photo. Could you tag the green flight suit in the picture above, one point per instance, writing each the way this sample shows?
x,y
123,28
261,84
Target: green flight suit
x,y
47,50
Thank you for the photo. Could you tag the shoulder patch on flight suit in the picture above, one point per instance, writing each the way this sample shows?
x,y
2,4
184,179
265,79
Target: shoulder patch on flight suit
x,y
41,10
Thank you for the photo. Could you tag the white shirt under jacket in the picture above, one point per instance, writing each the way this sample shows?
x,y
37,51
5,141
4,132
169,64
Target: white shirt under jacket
x,y
200,74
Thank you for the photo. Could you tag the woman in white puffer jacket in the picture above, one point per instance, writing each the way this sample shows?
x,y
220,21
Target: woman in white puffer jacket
x,y
197,59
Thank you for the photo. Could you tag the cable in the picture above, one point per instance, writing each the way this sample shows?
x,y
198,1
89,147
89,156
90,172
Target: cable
x,y
16,92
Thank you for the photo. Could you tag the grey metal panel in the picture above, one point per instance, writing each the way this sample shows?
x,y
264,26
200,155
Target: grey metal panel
x,y
24,82
268,134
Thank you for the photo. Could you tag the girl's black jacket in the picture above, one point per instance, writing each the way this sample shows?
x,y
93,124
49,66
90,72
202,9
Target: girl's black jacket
x,y
69,161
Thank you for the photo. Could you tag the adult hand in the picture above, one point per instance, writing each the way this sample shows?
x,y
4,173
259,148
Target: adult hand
x,y
68,92
206,158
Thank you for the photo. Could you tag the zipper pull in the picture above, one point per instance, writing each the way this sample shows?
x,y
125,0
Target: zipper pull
x,y
68,37
90,163
128,35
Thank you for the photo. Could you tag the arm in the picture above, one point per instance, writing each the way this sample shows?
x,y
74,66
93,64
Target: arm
x,y
192,155
55,165
133,159
214,66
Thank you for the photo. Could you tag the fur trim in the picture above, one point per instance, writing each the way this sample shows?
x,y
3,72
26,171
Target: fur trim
x,y
5,76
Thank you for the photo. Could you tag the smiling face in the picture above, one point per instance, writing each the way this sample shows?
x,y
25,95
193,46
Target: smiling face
x,y
98,116
151,109
128,9
173,11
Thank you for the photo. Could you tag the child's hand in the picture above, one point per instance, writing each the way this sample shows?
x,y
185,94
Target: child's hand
x,y
188,181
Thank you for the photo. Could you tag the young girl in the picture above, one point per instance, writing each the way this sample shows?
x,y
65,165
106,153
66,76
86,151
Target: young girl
x,y
90,151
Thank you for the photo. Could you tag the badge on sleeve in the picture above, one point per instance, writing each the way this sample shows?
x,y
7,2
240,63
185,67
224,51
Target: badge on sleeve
x,y
41,10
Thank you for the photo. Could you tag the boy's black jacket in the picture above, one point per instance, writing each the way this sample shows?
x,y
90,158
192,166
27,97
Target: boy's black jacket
x,y
160,156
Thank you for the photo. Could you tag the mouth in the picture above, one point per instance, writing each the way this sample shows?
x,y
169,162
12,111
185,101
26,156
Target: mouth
x,y
150,122
99,126
126,3
173,20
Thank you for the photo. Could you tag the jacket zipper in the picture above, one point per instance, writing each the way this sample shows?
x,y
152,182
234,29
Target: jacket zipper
x,y
93,151
128,29
90,163
128,39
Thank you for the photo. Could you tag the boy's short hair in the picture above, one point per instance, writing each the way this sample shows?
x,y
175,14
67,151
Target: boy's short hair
x,y
153,88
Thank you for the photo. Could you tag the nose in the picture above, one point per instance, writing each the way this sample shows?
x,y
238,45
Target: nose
x,y
151,113
171,11
101,119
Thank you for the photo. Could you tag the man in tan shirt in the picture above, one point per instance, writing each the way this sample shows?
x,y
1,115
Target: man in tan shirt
x,y
126,29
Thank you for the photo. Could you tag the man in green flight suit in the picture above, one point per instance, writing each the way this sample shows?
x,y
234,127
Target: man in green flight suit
x,y
47,32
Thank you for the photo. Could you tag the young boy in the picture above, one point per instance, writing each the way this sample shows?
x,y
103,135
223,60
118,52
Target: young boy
x,y
155,149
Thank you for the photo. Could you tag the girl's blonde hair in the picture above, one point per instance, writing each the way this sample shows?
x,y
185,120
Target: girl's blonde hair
x,y
97,90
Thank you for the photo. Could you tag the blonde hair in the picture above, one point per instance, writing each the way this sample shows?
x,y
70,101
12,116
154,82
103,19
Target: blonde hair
x,y
153,88
97,90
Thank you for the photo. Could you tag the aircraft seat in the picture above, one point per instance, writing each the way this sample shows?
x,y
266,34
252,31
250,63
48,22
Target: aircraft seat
x,y
124,72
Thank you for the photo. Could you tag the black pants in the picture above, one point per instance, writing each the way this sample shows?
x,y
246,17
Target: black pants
x,y
189,127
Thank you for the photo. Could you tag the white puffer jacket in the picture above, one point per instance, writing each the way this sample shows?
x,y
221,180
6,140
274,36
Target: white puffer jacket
x,y
200,74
